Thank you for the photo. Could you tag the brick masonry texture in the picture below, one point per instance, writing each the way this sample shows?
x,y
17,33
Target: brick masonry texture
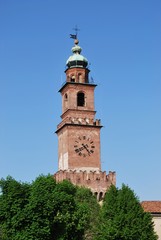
x,y
79,134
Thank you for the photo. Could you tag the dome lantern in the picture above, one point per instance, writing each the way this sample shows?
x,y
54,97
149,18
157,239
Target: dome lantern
x,y
76,60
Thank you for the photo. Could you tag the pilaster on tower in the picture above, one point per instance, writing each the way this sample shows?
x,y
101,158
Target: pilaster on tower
x,y
79,132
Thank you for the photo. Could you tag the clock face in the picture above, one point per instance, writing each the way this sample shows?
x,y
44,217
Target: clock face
x,y
84,146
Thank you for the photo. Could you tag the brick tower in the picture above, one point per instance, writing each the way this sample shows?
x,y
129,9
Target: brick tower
x,y
79,132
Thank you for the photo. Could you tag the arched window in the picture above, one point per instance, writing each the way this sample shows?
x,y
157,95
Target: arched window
x,y
100,196
80,99
72,79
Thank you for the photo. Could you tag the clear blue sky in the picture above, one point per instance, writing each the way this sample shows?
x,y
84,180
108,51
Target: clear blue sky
x,y
122,41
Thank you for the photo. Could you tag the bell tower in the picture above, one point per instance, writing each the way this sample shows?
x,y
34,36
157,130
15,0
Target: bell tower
x,y
79,132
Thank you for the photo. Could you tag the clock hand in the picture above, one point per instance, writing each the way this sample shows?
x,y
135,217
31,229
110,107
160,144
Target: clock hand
x,y
86,148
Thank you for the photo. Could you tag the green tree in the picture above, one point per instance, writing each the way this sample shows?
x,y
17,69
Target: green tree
x,y
122,217
13,199
0,233
64,208
44,210
40,209
87,212
75,207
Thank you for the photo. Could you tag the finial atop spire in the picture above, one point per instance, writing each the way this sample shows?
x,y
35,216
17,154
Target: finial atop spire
x,y
76,60
76,30
74,36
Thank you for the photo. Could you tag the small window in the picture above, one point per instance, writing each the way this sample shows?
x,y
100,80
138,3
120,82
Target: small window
x,y
66,96
80,99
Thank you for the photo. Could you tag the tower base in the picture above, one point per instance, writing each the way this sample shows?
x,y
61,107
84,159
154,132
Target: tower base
x,y
97,181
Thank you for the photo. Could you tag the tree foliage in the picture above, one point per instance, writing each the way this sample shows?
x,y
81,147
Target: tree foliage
x,y
46,210
122,217
14,198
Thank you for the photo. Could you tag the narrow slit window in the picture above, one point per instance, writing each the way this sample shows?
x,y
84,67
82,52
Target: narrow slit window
x,y
66,96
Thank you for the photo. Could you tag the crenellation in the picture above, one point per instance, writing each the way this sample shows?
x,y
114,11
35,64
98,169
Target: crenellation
x,y
94,180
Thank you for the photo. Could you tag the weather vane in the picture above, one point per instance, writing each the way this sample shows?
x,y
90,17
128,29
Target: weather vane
x,y
74,36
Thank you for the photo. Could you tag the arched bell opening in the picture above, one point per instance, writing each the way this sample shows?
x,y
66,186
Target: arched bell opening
x,y
72,78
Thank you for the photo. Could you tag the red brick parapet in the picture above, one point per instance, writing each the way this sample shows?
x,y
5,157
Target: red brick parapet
x,y
97,181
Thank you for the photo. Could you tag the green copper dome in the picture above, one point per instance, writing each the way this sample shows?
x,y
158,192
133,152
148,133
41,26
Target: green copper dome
x,y
76,60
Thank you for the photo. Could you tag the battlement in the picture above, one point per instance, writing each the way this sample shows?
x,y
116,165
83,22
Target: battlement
x,y
97,181
80,121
